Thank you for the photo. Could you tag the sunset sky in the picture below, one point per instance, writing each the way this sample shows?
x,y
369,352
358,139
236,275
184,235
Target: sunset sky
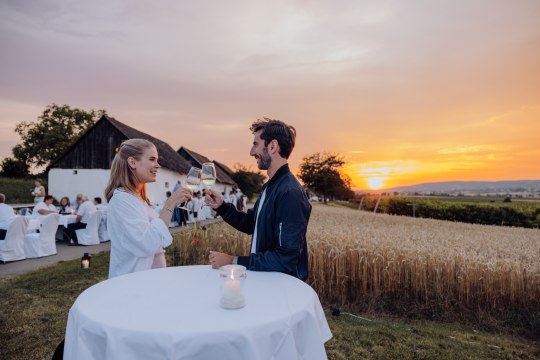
x,y
408,91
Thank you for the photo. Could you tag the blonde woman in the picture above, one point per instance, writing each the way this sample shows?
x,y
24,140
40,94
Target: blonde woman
x,y
138,234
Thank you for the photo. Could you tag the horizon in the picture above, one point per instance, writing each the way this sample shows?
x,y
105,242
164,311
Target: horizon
x,y
408,93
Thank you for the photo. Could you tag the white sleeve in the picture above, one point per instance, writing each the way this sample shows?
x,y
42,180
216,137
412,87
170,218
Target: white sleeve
x,y
83,209
130,226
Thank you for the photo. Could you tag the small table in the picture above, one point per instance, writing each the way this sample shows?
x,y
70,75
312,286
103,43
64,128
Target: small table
x,y
63,220
174,313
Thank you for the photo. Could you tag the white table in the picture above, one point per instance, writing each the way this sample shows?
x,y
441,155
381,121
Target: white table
x,y
174,313
65,220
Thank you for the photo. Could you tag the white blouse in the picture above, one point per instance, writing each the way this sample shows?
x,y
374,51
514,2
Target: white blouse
x,y
138,235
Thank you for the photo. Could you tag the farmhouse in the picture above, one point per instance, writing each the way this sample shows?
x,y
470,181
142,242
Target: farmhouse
x,y
85,166
224,182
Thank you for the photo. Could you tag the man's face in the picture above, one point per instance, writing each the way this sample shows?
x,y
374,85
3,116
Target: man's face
x,y
260,152
49,201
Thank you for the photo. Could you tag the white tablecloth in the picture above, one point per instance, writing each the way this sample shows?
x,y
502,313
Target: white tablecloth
x,y
64,220
174,313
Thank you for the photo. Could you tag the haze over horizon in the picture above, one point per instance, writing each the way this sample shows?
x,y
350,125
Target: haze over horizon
x,y
409,92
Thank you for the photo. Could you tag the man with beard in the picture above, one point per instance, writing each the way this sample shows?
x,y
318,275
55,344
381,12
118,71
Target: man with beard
x,y
279,219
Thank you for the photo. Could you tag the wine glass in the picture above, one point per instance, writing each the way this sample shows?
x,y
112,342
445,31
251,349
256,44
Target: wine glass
x,y
193,180
208,174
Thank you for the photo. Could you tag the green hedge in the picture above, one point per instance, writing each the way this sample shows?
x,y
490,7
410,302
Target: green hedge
x,y
520,214
18,191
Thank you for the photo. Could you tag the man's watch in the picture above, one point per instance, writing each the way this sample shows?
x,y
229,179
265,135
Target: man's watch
x,y
235,260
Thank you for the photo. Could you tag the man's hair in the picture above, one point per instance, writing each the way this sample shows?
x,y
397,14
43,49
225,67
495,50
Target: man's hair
x,y
47,197
277,130
97,199
2,198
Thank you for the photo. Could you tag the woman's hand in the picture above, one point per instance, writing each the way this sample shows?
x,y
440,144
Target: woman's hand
x,y
179,196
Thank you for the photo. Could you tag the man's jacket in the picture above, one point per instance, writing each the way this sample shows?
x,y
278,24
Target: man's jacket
x,y
281,227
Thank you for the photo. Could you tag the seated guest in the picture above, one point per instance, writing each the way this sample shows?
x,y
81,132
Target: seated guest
x,y
65,206
99,205
78,201
6,216
83,216
44,208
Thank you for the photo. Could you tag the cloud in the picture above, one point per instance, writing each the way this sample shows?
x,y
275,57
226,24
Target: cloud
x,y
471,149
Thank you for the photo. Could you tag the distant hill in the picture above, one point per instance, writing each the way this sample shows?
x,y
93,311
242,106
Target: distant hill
x,y
471,187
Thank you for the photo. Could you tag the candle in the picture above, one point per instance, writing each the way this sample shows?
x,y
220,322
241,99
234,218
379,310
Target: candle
x,y
231,290
86,264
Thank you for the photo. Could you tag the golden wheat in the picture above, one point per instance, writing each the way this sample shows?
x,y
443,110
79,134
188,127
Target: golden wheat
x,y
361,259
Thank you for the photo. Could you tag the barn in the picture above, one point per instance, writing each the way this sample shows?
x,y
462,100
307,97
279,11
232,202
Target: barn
x,y
85,166
224,181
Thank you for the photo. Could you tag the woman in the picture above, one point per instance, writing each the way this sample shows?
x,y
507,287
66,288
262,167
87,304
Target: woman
x,y
65,206
138,234
39,191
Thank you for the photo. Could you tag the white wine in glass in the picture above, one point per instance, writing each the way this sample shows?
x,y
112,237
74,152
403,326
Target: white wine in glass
x,y
193,179
208,174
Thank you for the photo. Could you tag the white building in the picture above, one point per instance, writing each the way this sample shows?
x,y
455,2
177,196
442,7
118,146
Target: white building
x,y
85,167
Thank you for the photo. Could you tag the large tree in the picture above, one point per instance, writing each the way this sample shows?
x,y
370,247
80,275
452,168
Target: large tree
x,y
248,181
13,168
320,174
54,131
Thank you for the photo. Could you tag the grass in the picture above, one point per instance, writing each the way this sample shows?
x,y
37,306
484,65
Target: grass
x,y
35,308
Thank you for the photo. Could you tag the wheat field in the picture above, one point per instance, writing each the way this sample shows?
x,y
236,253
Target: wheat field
x,y
372,262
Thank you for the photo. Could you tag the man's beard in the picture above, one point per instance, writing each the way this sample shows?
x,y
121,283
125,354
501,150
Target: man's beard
x,y
264,160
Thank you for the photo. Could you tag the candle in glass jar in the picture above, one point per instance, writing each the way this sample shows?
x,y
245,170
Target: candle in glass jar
x,y
231,290
85,264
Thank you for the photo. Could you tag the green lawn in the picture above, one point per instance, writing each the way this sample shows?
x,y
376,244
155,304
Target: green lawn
x,y
34,309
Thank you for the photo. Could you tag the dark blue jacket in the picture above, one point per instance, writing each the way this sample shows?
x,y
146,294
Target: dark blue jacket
x,y
281,229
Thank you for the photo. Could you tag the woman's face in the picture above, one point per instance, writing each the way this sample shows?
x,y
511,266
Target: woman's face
x,y
63,202
146,168
37,183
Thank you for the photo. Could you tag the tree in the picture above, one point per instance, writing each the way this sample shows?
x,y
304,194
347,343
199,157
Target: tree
x,y
14,168
248,181
320,174
55,130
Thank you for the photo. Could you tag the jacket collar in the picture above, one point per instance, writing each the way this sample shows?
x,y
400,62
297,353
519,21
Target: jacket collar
x,y
282,171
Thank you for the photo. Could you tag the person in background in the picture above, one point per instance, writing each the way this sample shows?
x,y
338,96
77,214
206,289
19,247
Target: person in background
x,y
7,214
44,208
78,201
138,234
99,205
65,206
281,214
39,191
83,216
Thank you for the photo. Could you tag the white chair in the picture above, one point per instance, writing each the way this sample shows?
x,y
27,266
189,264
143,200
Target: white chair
x,y
12,247
89,235
42,243
103,233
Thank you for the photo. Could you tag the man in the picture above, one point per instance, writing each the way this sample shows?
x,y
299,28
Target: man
x,y
7,214
98,204
279,219
44,208
78,201
83,216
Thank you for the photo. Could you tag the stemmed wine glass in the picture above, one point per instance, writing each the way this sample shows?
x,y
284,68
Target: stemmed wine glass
x,y
193,180
208,174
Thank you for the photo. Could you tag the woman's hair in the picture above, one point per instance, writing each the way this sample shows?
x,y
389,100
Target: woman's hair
x,y
39,181
66,198
122,175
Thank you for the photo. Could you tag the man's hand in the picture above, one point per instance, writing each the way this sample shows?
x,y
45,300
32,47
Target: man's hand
x,y
213,199
218,259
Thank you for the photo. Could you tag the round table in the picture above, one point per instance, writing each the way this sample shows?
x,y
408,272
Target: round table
x,y
174,313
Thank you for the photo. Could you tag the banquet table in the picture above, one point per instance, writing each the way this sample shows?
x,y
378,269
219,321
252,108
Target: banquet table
x,y
175,313
64,220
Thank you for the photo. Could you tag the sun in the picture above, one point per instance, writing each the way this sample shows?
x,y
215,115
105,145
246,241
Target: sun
x,y
375,183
